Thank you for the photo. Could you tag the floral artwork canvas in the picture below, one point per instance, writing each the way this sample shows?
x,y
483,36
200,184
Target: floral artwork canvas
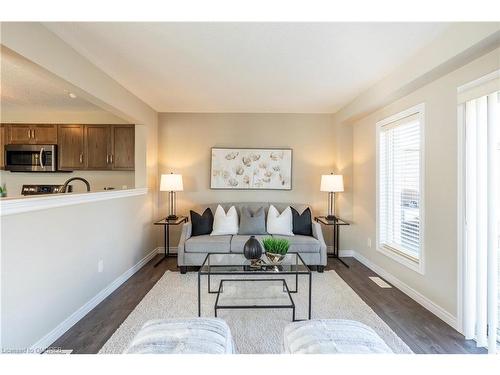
x,y
251,168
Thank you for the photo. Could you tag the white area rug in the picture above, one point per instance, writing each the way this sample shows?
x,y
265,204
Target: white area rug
x,y
254,331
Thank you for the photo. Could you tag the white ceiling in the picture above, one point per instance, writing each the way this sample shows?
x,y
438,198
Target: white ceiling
x,y
247,67
27,87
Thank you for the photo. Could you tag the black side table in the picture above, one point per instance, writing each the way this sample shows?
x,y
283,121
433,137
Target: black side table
x,y
166,234
336,223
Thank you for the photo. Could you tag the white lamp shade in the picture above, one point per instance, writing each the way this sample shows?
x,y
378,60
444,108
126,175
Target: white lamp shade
x,y
171,182
332,183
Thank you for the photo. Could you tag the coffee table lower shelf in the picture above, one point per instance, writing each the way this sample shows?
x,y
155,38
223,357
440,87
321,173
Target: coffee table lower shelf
x,y
286,291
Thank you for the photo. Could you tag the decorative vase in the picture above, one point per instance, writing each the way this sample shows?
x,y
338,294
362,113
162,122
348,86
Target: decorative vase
x,y
252,249
275,258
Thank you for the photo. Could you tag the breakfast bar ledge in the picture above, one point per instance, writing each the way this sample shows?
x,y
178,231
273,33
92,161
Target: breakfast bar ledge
x,y
17,205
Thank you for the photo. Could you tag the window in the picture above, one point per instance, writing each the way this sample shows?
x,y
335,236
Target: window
x,y
399,187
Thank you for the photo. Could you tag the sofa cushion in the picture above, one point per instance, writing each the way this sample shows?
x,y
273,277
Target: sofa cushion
x,y
208,244
225,222
302,244
202,224
280,223
302,223
238,242
252,221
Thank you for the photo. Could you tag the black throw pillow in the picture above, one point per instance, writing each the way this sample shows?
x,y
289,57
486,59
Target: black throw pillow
x,y
202,224
302,223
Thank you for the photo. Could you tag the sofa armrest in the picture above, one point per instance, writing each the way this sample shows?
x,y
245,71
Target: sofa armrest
x,y
185,235
318,234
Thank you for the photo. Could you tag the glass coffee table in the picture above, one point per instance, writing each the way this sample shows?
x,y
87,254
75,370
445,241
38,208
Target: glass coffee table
x,y
254,283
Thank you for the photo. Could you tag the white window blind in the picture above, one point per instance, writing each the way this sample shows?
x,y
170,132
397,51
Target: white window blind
x,y
481,268
399,186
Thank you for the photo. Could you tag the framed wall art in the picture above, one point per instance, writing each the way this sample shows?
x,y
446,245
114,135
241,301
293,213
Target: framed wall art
x,y
251,168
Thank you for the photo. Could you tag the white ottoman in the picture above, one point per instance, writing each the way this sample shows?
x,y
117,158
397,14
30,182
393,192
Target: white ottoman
x,y
331,336
183,336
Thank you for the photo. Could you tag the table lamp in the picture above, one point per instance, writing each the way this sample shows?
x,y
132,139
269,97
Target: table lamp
x,y
331,183
171,183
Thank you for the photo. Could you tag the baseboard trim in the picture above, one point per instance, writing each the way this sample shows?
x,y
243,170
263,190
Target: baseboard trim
x,y
342,253
409,291
69,322
172,250
346,253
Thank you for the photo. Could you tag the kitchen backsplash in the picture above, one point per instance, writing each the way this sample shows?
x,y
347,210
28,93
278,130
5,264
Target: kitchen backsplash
x,y
98,180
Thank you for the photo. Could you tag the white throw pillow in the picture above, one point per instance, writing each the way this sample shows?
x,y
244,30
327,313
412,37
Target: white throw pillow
x,y
280,223
225,223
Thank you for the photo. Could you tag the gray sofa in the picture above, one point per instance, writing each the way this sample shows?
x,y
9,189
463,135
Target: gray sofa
x,y
193,250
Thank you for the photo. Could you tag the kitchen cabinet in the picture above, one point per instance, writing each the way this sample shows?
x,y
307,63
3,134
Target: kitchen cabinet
x,y
3,136
98,147
38,134
79,147
123,147
19,134
71,147
45,134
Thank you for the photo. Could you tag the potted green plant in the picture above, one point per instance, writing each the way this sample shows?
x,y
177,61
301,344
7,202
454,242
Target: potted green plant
x,y
3,191
276,249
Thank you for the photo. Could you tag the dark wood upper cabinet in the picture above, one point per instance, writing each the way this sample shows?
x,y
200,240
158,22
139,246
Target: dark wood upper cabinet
x,y
98,147
45,134
123,147
91,147
3,139
20,134
32,134
70,147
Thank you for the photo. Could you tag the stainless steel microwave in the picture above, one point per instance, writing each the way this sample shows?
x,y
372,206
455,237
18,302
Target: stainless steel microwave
x,y
31,158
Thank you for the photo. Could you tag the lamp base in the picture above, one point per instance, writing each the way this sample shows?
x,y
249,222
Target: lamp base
x,y
331,217
171,206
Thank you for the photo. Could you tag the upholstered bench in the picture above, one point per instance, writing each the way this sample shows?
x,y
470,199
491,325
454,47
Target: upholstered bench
x,y
330,336
183,336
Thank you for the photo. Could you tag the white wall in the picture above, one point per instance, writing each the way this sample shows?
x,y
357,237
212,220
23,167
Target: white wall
x,y
185,140
439,284
49,261
458,45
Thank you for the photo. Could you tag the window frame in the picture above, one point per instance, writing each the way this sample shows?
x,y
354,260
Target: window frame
x,y
394,253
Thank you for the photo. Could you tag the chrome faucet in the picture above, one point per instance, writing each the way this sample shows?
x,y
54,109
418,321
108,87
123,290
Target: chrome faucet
x,y
65,185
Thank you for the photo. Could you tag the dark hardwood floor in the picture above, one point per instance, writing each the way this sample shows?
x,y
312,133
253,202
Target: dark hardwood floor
x,y
422,331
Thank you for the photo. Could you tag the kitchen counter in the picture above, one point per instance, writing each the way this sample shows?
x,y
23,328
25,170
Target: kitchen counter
x,y
22,204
